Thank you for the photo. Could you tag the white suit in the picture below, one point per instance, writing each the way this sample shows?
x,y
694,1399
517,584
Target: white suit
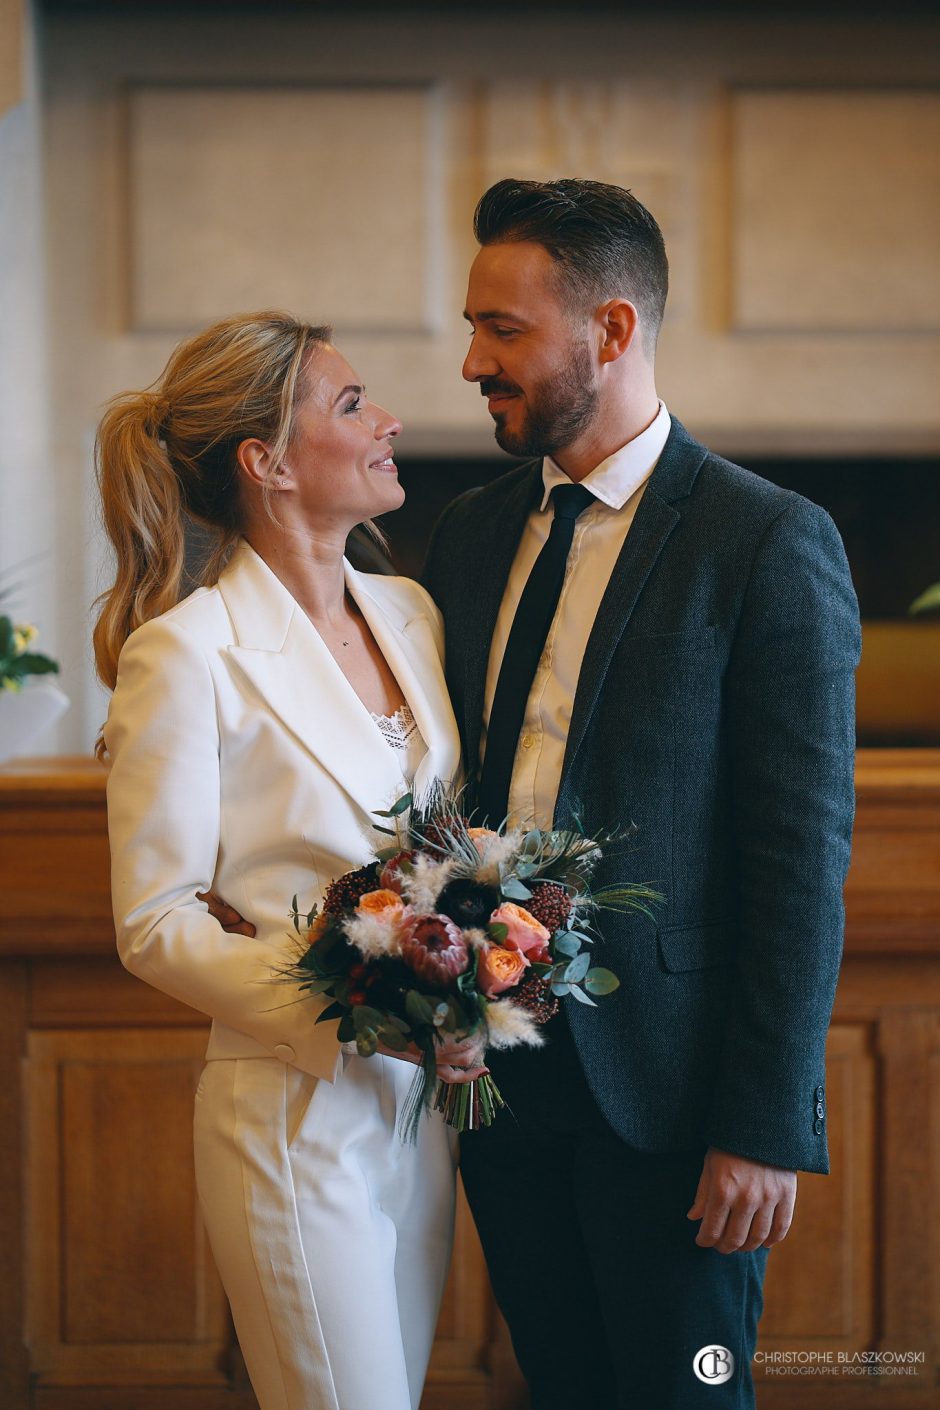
x,y
243,761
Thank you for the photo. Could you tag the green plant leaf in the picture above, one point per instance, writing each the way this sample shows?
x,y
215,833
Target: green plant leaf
x,y
417,1008
395,811
582,998
346,1031
928,601
565,944
367,1040
577,969
30,664
366,1017
499,932
559,989
601,981
334,1011
393,1038
515,889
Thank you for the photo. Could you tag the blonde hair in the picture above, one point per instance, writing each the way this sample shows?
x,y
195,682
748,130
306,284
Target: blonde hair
x,y
171,451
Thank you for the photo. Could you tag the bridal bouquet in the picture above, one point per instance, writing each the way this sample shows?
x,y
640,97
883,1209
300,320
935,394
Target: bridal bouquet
x,y
457,930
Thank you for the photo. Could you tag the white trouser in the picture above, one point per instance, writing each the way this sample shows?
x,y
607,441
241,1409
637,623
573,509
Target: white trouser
x,y
331,1236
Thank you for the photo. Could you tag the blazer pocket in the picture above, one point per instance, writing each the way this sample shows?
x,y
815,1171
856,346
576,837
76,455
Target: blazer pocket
x,y
690,643
690,947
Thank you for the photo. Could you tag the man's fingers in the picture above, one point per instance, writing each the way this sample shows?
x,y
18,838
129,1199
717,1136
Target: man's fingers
x,y
780,1225
231,921
714,1220
761,1225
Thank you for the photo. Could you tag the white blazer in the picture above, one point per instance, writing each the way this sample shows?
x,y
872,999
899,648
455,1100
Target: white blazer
x,y
243,760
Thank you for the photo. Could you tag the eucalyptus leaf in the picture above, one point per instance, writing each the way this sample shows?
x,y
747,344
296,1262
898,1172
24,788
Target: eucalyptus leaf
x,y
582,998
417,1008
366,1017
367,1040
577,969
395,811
393,1038
601,981
515,889
559,989
565,944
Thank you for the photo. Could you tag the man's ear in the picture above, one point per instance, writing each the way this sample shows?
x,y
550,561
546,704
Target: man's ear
x,y
618,323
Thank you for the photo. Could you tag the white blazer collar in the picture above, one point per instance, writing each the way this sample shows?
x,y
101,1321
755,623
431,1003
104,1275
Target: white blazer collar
x,y
280,652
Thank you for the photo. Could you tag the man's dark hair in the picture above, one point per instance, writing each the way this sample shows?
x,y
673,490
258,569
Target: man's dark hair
x,y
604,241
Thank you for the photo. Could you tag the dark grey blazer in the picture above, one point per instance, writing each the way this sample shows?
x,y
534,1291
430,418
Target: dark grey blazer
x,y
715,710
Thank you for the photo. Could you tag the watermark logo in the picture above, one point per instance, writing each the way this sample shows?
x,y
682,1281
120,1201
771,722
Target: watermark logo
x,y
714,1365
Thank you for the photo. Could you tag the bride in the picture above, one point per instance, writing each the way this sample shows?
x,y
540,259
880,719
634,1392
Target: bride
x,y
253,730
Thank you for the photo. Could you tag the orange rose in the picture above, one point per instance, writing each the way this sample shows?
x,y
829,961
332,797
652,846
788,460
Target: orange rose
x,y
385,905
499,969
525,932
480,837
316,930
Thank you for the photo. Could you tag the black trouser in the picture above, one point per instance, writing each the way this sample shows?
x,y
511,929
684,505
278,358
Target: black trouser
x,y
593,1261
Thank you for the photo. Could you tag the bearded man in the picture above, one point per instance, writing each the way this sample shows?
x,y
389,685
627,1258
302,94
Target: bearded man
x,y
639,631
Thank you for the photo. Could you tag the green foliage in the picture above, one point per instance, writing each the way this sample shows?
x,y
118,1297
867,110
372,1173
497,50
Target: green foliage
x,y
16,661
928,601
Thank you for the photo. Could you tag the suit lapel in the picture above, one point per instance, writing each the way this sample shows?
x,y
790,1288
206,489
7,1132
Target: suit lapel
x,y
500,533
656,517
280,653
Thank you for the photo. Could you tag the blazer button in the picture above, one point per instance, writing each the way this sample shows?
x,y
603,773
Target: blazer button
x,y
820,1109
818,1126
820,1093
285,1052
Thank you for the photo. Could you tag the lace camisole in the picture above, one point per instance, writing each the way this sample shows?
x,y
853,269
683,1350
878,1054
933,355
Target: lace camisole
x,y
400,732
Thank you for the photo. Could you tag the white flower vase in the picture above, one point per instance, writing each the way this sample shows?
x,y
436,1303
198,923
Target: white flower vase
x,y
25,713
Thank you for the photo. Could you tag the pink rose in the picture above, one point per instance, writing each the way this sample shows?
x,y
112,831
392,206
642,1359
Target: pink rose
x,y
525,933
499,969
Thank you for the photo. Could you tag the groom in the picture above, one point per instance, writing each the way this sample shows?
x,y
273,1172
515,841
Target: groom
x,y
639,631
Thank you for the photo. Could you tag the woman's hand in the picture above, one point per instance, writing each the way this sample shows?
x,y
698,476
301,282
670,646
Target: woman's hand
x,y
461,1059
227,916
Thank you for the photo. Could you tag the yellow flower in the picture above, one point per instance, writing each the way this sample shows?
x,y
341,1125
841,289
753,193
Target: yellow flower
x,y
23,637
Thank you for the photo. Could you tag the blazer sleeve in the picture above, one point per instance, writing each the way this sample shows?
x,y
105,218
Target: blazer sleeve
x,y
164,823
790,722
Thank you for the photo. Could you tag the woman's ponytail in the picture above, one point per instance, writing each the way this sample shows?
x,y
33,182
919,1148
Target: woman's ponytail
x,y
142,510
172,453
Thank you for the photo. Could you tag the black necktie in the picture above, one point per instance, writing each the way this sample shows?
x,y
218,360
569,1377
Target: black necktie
x,y
524,648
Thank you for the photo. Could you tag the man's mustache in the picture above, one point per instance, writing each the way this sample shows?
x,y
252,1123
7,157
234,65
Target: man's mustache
x,y
496,388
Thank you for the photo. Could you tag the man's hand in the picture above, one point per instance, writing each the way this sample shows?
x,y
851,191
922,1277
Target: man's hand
x,y
227,916
742,1204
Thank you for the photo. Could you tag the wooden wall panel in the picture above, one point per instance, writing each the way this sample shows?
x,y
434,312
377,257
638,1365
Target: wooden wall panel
x,y
119,1273
122,1308
828,1300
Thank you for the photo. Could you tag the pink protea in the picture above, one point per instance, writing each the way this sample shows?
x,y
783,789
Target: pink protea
x,y
434,947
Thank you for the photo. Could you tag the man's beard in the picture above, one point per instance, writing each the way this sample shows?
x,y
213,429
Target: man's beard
x,y
559,409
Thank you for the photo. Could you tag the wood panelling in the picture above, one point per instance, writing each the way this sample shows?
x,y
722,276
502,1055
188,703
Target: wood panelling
x,y
124,1309
122,1287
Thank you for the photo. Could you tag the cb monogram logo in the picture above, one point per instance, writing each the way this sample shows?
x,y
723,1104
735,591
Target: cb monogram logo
x,y
714,1365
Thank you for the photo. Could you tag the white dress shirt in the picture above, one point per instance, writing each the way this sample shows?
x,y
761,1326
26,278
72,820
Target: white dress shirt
x,y
600,532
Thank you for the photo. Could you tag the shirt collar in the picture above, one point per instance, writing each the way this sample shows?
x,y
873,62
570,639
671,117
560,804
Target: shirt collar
x,y
621,474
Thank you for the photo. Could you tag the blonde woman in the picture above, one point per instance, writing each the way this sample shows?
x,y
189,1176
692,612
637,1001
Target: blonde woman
x,y
253,729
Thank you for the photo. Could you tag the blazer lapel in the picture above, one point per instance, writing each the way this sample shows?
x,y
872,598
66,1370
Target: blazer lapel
x,y
655,520
282,655
408,645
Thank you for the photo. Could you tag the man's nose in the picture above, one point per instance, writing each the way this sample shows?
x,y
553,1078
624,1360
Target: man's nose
x,y
478,364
